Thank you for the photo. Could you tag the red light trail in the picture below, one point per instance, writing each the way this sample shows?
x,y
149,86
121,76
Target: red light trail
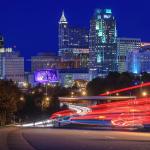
x,y
125,89
130,113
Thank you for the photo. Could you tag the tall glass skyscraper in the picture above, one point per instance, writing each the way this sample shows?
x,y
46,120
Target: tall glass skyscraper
x,y
102,42
63,34
73,43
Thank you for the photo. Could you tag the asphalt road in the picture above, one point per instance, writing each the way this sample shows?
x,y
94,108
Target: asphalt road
x,y
69,139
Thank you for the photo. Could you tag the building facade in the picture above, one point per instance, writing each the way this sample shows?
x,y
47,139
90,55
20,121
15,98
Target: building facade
x,y
125,46
145,60
133,62
138,61
102,42
12,67
63,36
67,77
73,43
44,61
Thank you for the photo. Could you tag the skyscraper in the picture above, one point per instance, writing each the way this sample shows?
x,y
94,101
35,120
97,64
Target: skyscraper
x,y
73,43
63,34
102,42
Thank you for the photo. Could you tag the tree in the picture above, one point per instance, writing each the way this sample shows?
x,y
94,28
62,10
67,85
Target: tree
x,y
9,100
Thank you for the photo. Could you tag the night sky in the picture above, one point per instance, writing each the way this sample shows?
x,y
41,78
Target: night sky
x,y
32,25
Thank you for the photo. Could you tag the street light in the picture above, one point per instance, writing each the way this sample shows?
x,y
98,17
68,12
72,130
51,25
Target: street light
x,y
144,94
47,98
22,98
83,93
25,84
33,92
72,94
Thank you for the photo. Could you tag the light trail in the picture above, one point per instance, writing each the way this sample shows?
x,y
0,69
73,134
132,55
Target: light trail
x,y
130,113
125,89
44,123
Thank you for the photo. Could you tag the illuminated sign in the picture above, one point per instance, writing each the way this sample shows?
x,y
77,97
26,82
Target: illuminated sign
x,y
46,76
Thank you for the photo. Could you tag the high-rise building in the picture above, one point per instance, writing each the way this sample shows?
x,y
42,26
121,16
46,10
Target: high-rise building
x,y
63,36
124,46
44,61
78,38
12,66
102,42
73,42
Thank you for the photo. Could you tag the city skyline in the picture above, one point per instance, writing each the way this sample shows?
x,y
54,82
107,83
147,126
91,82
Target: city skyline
x,y
30,23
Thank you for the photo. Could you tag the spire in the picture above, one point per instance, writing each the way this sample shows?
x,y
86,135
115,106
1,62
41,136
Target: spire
x,y
63,18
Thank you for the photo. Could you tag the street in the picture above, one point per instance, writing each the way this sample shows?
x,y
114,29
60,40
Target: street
x,y
70,139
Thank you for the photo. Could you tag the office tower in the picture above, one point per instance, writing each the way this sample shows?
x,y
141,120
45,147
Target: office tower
x,y
78,37
12,66
124,46
63,36
102,42
44,61
73,43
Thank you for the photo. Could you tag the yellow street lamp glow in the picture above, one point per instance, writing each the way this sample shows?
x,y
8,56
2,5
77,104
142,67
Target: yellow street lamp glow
x,y
33,92
25,84
47,99
84,93
72,94
144,94
22,98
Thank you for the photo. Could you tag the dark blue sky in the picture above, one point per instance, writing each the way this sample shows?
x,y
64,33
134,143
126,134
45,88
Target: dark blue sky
x,y
32,25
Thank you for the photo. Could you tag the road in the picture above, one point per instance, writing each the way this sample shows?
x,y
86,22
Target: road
x,y
71,139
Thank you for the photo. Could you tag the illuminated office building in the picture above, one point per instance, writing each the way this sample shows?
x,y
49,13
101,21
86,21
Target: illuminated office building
x,y
73,43
63,36
145,60
138,61
12,67
125,46
133,62
44,61
102,42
